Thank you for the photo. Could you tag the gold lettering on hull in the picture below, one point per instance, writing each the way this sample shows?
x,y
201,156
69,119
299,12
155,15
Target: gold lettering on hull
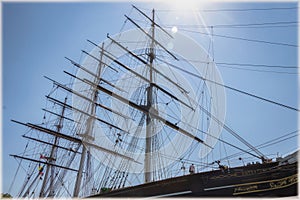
x,y
265,185
242,189
284,182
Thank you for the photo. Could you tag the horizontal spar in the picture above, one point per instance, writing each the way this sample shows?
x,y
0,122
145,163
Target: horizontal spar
x,y
92,74
161,28
99,60
54,145
141,29
73,139
43,162
146,111
58,115
76,109
84,97
49,131
146,63
142,77
134,105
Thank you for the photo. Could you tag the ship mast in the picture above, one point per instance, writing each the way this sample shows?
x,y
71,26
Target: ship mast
x,y
89,129
149,127
52,158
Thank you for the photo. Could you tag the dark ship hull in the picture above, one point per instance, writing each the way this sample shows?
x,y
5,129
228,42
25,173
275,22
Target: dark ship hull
x,y
267,180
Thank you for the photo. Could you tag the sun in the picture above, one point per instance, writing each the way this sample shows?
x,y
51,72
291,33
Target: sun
x,y
185,12
174,29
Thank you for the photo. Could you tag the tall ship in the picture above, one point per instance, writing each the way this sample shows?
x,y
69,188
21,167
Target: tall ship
x,y
140,117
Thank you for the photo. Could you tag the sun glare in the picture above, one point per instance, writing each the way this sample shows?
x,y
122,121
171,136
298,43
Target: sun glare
x,y
186,11
174,29
185,5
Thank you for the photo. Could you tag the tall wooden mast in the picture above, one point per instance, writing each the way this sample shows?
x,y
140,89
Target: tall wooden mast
x,y
149,127
52,159
89,129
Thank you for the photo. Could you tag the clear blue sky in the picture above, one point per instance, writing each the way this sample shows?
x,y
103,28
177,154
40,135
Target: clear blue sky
x,y
37,36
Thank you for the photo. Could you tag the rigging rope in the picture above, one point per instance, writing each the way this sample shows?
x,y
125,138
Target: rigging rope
x,y
244,39
231,88
258,65
255,65
230,9
256,70
10,187
266,144
245,25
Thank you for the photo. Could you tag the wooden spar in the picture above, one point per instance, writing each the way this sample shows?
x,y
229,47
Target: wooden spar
x,y
76,109
58,115
113,111
142,77
130,52
84,97
141,60
172,96
145,110
49,131
43,162
73,139
151,20
125,67
121,64
44,142
156,42
91,73
134,105
99,60
147,64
